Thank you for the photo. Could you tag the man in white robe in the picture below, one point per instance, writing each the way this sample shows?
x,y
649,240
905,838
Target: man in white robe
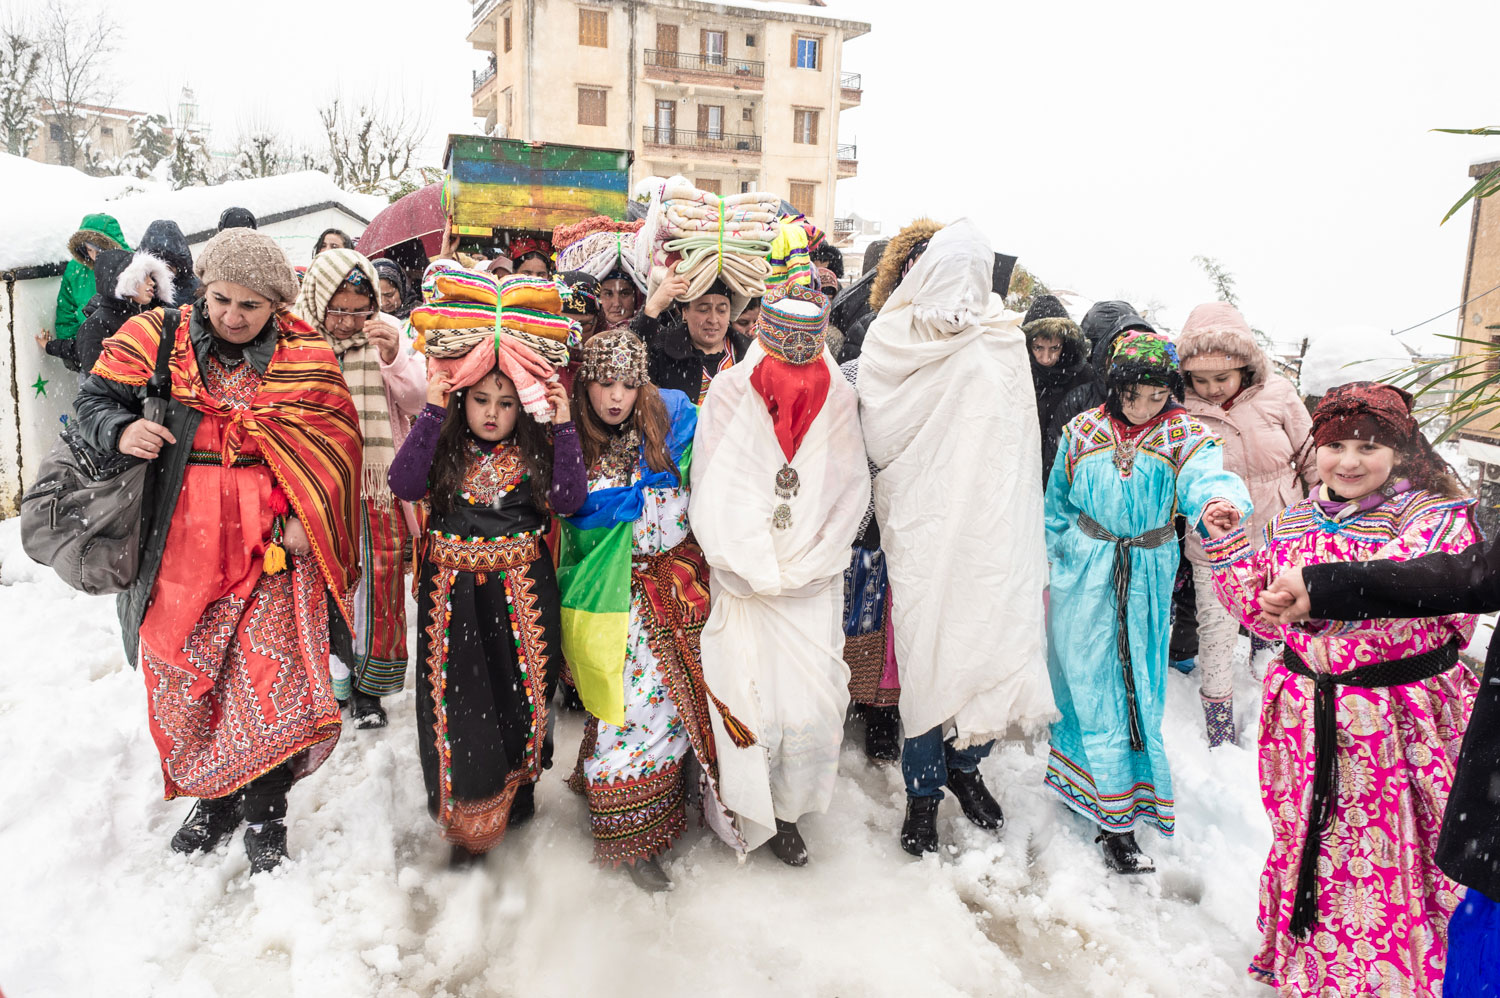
x,y
780,484
949,420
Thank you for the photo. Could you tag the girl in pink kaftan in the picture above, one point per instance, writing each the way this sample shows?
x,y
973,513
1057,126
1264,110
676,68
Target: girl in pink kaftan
x,y
1380,921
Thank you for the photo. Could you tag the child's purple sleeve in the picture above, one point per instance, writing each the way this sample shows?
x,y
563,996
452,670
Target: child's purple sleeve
x,y
408,474
570,480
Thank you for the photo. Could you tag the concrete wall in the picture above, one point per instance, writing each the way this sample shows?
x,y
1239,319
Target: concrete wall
x,y
29,419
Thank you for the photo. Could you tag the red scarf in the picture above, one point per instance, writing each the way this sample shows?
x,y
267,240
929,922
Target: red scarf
x,y
794,395
302,417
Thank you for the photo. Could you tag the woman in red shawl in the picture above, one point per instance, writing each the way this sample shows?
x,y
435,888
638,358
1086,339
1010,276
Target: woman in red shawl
x,y
250,515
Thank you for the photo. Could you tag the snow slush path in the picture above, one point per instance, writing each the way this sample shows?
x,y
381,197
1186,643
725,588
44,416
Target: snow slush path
x,y
93,902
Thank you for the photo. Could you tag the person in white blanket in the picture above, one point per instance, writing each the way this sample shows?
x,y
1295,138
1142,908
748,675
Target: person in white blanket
x,y
950,423
779,486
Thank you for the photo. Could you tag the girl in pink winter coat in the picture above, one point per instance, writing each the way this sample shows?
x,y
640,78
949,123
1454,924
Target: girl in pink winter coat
x,y
1233,391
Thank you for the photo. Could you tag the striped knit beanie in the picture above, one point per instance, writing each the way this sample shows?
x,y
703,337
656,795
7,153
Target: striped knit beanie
x,y
793,323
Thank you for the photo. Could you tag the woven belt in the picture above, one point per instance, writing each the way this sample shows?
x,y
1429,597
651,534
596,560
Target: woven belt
x,y
1121,578
483,554
215,458
1376,675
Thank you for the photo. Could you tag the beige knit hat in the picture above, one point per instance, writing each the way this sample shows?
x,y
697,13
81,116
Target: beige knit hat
x,y
249,258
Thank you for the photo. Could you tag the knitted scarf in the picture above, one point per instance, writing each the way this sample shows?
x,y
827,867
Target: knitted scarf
x,y
302,417
360,361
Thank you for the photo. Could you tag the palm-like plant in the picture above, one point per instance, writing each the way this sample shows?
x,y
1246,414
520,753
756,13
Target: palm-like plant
x,y
1466,386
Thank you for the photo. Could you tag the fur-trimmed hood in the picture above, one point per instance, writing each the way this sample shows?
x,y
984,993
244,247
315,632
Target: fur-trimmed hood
x,y
101,230
1075,349
888,274
143,265
1214,335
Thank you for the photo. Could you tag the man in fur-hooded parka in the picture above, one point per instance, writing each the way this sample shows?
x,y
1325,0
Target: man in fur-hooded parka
x,y
101,232
1047,319
895,260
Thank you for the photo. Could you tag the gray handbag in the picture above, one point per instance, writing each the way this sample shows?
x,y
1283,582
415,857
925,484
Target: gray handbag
x,y
84,515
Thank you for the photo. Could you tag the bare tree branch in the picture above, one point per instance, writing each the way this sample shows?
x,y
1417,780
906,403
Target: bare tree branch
x,y
77,42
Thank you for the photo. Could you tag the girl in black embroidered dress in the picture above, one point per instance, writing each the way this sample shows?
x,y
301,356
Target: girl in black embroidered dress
x,y
488,619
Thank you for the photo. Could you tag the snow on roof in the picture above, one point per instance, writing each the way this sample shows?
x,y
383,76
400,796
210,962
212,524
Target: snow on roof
x,y
43,205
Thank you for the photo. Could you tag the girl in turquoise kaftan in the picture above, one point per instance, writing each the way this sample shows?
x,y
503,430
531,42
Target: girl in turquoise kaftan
x,y
1116,487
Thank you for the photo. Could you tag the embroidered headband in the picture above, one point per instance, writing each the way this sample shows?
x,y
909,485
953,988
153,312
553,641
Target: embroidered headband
x,y
793,323
616,355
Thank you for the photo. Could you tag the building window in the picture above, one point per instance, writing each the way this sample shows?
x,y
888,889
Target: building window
x,y
55,133
805,127
506,105
507,32
711,120
713,47
747,114
803,196
106,132
712,186
1492,362
591,106
805,52
593,28
749,41
666,121
746,186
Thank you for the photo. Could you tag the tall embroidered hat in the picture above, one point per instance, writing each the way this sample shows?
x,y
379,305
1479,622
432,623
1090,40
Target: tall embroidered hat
x,y
615,355
793,323
1145,357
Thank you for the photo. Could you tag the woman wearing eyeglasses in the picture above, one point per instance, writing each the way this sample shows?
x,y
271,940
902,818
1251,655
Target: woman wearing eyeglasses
x,y
340,299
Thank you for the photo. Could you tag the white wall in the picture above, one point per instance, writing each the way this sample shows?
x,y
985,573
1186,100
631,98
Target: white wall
x,y
29,422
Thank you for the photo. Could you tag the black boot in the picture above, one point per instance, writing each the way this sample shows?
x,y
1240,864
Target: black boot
x,y
266,847
571,701
211,821
649,875
367,712
883,733
460,858
975,798
787,844
1122,855
523,808
919,830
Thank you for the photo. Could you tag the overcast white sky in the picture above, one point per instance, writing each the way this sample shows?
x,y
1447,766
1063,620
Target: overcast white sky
x,y
1104,143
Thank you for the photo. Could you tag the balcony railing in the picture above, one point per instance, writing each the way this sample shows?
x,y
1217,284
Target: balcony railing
x,y
693,63
681,138
843,226
485,75
849,153
850,81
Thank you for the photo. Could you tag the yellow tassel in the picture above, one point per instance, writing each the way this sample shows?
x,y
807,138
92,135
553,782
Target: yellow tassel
x,y
275,559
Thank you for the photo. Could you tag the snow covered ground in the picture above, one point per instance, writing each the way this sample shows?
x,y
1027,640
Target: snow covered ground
x,y
93,902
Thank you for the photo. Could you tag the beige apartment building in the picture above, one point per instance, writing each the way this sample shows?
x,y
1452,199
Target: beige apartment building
x,y
108,130
735,97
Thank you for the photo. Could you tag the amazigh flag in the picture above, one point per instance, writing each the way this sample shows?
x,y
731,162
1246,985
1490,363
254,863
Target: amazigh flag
x,y
594,571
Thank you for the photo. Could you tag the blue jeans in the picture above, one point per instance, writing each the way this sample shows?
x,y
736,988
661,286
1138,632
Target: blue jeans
x,y
926,759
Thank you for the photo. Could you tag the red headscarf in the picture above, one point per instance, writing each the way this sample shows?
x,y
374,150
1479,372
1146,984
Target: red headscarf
x,y
1365,410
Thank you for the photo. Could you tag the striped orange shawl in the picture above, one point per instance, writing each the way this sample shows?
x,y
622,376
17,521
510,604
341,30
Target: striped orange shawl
x,y
302,417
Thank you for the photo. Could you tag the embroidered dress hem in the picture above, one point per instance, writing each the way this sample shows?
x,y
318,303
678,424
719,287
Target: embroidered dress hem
x,y
488,607
637,819
1115,812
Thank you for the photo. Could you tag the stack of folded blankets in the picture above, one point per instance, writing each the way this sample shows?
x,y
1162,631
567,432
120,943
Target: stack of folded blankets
x,y
705,237
599,246
473,321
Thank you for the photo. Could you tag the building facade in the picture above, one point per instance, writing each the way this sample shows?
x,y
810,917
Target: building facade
x,y
1479,327
735,97
106,131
